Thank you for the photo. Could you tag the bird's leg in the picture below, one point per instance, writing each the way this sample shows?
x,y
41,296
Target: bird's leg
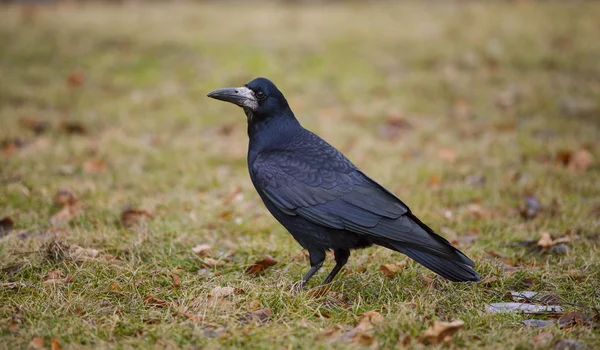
x,y
341,258
316,262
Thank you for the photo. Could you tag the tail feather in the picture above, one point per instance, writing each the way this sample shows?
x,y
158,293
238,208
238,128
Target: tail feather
x,y
453,270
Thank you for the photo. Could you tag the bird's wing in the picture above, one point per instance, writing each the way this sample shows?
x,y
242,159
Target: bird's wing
x,y
333,194
338,195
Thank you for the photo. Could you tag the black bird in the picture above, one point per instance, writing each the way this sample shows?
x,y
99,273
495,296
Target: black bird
x,y
324,200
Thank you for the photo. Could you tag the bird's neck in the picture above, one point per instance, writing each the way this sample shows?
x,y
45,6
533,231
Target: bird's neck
x,y
270,132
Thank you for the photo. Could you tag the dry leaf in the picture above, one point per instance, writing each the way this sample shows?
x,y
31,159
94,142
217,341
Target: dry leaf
x,y
37,343
55,344
10,147
261,265
71,127
78,253
213,263
545,241
176,281
393,127
259,316
573,318
580,161
390,270
441,332
75,78
255,304
65,197
567,344
55,277
488,281
65,215
94,166
447,154
202,249
150,300
134,217
221,292
35,125
434,181
6,225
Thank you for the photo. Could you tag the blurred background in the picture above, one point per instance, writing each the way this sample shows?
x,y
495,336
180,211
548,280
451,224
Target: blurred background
x,y
482,116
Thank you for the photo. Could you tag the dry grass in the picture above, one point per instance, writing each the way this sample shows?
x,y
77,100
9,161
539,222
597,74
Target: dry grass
x,y
502,88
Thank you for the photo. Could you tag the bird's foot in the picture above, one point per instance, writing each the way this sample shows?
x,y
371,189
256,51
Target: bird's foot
x,y
296,287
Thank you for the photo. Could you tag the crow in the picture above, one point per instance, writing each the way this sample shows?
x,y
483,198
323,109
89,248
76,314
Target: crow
x,y
323,199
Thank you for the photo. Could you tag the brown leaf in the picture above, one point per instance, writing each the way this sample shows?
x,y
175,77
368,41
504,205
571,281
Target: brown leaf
x,y
78,253
261,265
543,337
134,217
434,181
259,316
567,344
255,304
545,241
55,344
213,262
75,78
37,343
72,127
447,154
94,166
428,281
505,260
35,125
441,332
563,157
390,270
394,126
64,197
65,215
580,161
55,277
6,225
176,281
221,292
202,249
11,146
572,319
150,300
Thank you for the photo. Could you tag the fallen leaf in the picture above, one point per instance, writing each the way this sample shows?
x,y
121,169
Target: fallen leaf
x,y
441,332
11,146
71,127
428,281
543,338
55,345
393,127
545,241
37,343
193,318
506,261
255,304
12,285
64,197
78,253
447,154
6,225
135,217
434,181
580,161
35,125
150,300
261,265
176,281
55,277
259,316
202,249
94,166
76,78
221,292
390,270
65,215
476,211
524,308
213,262
572,319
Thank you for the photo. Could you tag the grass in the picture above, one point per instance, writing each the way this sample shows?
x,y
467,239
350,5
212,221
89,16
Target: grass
x,y
503,88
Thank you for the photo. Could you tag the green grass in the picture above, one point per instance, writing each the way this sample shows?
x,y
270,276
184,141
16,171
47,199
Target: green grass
x,y
345,69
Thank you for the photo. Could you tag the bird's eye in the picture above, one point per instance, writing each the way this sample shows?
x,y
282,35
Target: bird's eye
x,y
260,95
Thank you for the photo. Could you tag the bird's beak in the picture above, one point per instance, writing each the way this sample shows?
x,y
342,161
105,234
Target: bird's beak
x,y
241,96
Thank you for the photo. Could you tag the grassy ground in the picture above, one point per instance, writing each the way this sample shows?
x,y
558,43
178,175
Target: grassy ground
x,y
495,98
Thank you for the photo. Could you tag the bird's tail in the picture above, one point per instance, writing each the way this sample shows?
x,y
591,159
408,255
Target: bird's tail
x,y
436,253
453,270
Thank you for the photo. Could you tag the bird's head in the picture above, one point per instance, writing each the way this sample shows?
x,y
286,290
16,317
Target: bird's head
x,y
260,98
